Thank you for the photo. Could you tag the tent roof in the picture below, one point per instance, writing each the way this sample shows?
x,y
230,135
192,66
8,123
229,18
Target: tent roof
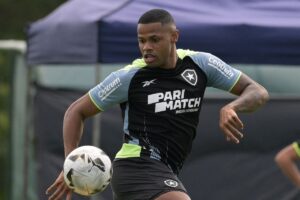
x,y
238,31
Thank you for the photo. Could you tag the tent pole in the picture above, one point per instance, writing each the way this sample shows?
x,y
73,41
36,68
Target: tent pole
x,y
96,132
96,119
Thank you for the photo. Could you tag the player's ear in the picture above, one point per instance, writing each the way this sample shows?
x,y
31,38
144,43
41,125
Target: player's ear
x,y
175,35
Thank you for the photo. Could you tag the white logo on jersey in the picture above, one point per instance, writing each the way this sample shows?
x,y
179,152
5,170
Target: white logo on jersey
x,y
147,83
105,90
174,100
171,183
190,76
220,66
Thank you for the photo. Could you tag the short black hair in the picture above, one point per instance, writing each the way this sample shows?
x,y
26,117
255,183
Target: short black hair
x,y
156,15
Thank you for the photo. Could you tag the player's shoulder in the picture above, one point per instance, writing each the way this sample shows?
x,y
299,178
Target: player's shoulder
x,y
297,142
135,65
182,53
296,147
129,70
197,56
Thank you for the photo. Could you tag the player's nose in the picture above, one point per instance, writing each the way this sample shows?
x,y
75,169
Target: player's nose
x,y
147,47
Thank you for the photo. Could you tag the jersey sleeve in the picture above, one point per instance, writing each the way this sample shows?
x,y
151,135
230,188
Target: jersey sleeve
x,y
219,74
112,90
296,147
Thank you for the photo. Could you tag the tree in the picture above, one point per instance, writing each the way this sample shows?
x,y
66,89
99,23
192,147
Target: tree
x,y
15,15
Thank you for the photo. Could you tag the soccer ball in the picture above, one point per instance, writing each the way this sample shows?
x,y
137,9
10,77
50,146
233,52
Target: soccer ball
x,y
87,170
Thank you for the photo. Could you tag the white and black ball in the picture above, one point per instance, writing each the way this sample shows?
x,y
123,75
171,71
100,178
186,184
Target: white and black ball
x,y
87,170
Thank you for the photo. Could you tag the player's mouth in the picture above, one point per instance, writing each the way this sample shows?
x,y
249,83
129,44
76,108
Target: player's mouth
x,y
149,58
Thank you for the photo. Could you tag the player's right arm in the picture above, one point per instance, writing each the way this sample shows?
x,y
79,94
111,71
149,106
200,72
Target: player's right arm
x,y
74,118
286,160
73,125
112,90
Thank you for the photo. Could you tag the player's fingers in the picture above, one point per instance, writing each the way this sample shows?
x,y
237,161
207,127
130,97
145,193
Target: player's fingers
x,y
51,188
234,126
230,130
232,118
228,138
235,134
232,133
237,123
234,121
55,184
59,192
69,195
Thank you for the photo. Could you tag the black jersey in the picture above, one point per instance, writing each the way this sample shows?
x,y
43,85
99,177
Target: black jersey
x,y
161,106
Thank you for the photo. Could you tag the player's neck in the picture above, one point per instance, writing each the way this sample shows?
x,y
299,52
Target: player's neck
x,y
171,64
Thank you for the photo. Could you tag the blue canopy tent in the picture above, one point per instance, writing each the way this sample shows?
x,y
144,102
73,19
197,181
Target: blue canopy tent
x,y
238,31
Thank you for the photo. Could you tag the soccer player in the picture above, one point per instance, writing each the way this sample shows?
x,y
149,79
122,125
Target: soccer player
x,y
286,159
160,96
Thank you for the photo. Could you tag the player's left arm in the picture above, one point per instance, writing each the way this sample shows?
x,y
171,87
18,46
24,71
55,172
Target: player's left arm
x,y
251,96
287,159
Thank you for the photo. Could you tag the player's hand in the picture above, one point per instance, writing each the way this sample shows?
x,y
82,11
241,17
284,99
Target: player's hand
x,y
59,189
230,124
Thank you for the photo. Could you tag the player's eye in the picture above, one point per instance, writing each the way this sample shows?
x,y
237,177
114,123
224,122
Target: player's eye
x,y
155,39
142,41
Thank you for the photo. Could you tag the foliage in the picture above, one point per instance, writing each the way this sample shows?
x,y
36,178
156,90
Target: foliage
x,y
15,15
5,88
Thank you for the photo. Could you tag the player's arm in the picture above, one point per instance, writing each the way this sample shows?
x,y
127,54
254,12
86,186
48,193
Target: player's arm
x,y
286,160
72,132
111,91
251,96
74,118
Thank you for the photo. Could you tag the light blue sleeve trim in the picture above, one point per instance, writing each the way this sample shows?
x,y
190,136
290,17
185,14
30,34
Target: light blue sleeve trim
x,y
113,89
94,102
219,74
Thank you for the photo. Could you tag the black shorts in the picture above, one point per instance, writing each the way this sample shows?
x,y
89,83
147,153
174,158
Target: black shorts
x,y
142,179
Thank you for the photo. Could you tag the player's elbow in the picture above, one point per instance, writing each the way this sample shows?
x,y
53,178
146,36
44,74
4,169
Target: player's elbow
x,y
262,95
265,95
278,158
281,159
74,112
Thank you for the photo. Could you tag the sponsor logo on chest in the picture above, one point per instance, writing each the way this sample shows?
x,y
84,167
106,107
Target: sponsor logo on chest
x,y
174,100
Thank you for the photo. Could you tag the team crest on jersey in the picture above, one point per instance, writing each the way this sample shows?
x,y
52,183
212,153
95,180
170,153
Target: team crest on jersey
x,y
190,76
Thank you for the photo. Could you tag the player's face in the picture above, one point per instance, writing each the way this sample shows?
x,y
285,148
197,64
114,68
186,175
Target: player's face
x,y
157,43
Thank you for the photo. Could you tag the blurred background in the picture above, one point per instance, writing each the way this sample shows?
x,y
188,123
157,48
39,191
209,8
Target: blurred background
x,y
52,52
14,17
